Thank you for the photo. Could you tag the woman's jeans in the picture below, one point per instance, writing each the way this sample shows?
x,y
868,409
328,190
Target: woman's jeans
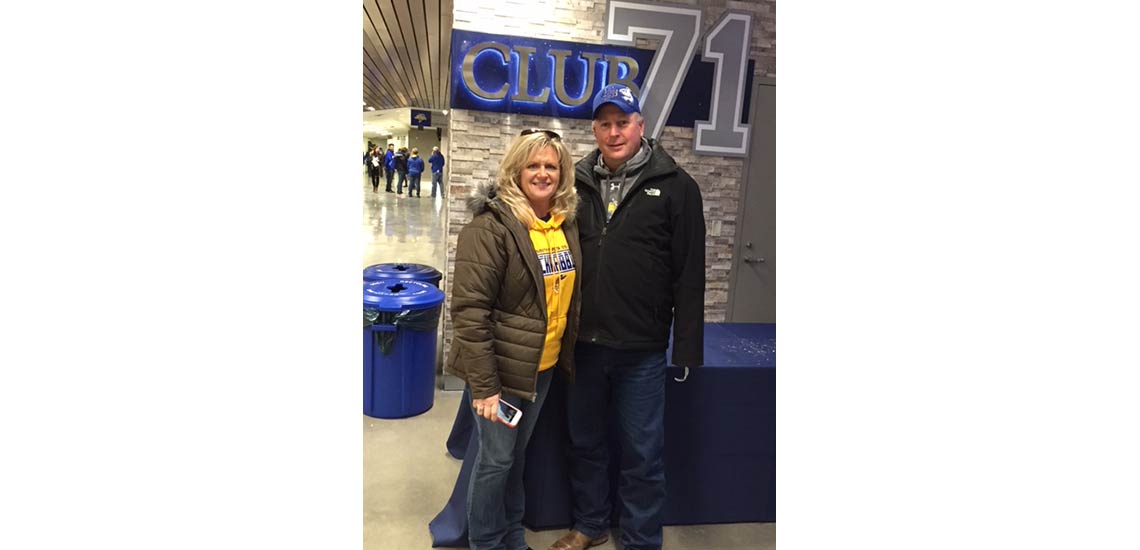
x,y
495,498
414,183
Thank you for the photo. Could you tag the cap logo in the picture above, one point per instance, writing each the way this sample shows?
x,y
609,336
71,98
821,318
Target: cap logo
x,y
618,94
616,91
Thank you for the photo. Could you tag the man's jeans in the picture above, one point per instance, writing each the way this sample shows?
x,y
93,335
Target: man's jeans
x,y
388,172
437,179
630,385
401,177
495,499
414,183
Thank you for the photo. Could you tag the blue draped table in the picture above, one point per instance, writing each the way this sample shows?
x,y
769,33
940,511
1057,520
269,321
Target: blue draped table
x,y
720,443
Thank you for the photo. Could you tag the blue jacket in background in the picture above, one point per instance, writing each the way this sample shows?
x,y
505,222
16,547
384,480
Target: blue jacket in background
x,y
415,165
389,160
436,161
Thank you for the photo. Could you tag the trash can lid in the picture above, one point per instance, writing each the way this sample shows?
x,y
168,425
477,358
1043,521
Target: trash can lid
x,y
418,272
401,294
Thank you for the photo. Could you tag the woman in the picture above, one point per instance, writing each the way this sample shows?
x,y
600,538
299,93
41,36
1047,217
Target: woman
x,y
375,161
514,304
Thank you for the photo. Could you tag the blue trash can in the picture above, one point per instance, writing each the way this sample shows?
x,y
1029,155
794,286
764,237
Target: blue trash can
x,y
400,320
414,272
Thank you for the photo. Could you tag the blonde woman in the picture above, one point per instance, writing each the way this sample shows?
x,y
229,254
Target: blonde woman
x,y
515,303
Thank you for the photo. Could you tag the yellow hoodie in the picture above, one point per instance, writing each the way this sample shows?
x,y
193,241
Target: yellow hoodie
x,y
558,274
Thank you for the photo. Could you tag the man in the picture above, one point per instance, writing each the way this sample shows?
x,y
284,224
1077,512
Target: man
x,y
400,161
415,170
389,166
436,160
642,232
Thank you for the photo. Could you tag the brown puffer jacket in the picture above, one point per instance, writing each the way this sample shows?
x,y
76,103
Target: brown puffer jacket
x,y
498,303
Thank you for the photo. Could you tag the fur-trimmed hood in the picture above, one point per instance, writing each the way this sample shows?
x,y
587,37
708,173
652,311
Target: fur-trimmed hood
x,y
486,193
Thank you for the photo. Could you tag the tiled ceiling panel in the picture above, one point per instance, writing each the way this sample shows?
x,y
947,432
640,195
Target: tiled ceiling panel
x,y
407,53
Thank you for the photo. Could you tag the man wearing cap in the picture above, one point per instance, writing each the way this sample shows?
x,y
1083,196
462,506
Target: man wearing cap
x,y
436,160
642,232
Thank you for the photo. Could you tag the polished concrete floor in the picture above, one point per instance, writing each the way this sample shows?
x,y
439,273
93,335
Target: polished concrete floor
x,y
399,228
408,475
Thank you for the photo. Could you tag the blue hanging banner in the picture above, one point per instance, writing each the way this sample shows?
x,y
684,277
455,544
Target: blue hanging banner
x,y
421,118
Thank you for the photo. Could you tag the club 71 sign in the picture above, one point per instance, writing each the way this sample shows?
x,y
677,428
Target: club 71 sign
x,y
513,74
726,45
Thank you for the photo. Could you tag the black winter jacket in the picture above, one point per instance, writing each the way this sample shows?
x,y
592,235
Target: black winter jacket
x,y
645,268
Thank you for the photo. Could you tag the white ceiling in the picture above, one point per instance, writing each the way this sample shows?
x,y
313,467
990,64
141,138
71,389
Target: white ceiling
x,y
396,121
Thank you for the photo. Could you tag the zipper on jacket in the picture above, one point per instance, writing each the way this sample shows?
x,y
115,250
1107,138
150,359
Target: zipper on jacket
x,y
601,215
546,314
598,265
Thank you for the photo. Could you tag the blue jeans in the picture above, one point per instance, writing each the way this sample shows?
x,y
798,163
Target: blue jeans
x,y
495,499
630,385
400,178
437,179
414,184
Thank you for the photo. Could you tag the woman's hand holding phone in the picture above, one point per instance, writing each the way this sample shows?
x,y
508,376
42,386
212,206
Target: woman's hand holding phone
x,y
488,407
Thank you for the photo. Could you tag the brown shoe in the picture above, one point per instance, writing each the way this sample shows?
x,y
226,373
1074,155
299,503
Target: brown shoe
x,y
575,540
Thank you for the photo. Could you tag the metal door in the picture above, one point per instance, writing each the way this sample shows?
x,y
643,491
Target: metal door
x,y
752,282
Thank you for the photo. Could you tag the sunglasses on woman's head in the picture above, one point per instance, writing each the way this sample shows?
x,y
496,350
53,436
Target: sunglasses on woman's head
x,y
549,133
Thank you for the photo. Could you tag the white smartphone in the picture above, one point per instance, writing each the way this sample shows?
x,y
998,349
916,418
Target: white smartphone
x,y
509,413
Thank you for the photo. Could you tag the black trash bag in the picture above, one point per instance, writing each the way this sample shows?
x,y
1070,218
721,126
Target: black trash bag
x,y
420,320
370,316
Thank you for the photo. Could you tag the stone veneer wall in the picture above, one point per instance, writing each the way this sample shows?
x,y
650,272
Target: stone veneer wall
x,y
479,139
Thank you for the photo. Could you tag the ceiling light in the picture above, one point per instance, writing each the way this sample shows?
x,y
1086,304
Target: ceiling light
x,y
372,108
445,112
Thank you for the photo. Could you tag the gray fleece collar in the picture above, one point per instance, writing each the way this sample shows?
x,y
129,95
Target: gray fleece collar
x,y
631,166
615,185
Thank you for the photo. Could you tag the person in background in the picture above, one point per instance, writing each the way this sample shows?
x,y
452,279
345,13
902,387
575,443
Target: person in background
x,y
515,303
375,163
415,170
400,161
367,154
389,166
436,161
643,242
